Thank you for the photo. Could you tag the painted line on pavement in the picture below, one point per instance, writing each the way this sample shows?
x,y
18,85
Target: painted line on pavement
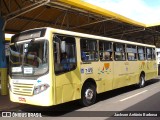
x,y
133,95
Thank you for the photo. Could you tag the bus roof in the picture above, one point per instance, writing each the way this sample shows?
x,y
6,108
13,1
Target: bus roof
x,y
96,37
77,34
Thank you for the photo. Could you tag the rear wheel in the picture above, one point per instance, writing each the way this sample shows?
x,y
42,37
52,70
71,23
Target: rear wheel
x,y
88,95
141,81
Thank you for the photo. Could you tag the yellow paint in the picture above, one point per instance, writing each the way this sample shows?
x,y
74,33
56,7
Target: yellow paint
x,y
4,81
108,75
98,10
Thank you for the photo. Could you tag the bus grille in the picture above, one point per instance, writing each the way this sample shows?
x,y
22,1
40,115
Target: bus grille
x,y
23,89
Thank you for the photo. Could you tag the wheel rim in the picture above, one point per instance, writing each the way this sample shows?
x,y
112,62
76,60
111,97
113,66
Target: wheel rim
x,y
89,94
142,81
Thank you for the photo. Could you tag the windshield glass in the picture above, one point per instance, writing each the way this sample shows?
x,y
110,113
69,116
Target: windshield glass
x,y
29,58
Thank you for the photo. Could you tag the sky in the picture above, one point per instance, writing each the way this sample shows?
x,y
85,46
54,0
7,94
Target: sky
x,y
144,11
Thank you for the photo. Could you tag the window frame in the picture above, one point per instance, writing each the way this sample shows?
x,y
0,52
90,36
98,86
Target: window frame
x,y
63,35
144,52
135,53
124,51
148,54
88,50
153,54
110,52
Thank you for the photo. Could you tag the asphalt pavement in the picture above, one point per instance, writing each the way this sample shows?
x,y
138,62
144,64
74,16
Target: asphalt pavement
x,y
6,104
117,102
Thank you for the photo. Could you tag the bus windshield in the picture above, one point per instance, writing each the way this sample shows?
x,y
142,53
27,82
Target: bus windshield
x,y
29,58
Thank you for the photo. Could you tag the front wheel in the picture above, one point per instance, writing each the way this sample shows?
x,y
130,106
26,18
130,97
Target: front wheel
x,y
88,95
141,81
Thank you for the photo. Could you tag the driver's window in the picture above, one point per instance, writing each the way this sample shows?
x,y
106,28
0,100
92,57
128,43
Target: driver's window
x,y
64,53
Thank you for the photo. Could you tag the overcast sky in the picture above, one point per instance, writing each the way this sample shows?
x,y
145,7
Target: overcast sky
x,y
144,11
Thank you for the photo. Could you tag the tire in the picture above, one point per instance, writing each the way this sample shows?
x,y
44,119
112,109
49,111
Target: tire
x,y
141,83
88,94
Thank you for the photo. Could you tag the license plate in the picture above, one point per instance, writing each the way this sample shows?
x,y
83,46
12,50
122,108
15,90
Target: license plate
x,y
21,99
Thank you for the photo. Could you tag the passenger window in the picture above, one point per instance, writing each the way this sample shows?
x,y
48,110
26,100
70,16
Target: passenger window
x,y
141,53
89,50
149,53
105,51
119,52
131,52
153,54
64,53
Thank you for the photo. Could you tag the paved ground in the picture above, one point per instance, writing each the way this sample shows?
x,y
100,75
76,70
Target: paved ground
x,y
127,99
6,104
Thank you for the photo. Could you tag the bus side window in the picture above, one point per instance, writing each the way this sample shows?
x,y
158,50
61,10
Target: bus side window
x,y
141,53
131,52
105,51
153,54
119,52
149,53
89,50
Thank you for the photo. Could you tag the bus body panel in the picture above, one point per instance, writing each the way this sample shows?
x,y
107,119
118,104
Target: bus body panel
x,y
105,73
67,86
151,69
120,74
133,72
22,90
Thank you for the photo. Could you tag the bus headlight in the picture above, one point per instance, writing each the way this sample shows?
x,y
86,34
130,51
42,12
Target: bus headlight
x,y
40,88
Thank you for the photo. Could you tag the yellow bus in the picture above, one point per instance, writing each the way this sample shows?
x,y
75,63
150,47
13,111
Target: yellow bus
x,y
51,66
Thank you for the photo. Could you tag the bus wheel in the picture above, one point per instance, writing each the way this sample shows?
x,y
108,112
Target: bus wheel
x,y
88,95
141,81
